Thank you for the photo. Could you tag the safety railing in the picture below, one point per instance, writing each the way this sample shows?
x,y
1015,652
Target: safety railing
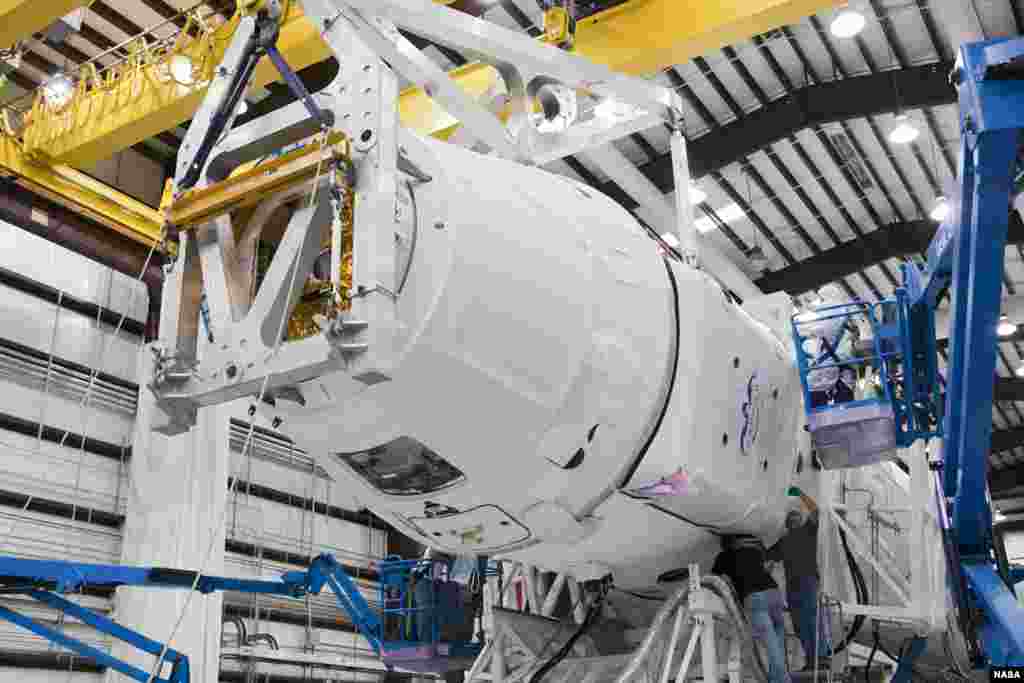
x,y
426,614
865,397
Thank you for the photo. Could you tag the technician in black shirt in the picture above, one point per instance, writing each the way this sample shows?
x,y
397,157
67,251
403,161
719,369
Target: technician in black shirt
x,y
742,560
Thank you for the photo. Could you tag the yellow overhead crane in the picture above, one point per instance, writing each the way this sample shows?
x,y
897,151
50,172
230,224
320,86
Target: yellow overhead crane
x,y
146,95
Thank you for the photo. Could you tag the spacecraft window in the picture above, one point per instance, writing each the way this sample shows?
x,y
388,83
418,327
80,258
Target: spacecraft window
x,y
403,467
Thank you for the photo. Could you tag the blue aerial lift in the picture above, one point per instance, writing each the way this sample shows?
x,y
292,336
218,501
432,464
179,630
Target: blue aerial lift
x,y
966,259
406,632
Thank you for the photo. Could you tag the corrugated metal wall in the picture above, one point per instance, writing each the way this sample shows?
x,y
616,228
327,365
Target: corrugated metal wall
x,y
62,496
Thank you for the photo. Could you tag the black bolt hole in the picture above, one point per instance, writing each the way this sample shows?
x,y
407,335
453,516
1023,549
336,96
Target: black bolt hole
x,y
725,439
504,522
367,135
775,394
736,362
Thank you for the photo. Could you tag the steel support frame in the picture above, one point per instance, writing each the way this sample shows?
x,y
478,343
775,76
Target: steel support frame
x,y
248,357
493,43
522,62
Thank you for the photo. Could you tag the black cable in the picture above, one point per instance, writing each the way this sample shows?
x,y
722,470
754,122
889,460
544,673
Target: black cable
x,y
556,659
635,465
871,657
640,595
860,587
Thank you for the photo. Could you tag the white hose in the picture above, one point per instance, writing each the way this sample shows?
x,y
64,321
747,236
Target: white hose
x,y
677,601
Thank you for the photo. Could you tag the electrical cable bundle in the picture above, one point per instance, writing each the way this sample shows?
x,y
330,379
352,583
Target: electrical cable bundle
x,y
592,614
860,587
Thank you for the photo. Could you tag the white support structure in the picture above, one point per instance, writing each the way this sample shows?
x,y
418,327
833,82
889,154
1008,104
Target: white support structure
x,y
686,230
521,643
496,44
248,358
897,542
176,509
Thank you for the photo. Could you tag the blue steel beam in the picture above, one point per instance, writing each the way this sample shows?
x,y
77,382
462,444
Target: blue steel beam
x,y
967,254
977,296
69,576
104,625
77,646
990,91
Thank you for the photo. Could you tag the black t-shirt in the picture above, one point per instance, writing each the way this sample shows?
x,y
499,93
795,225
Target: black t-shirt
x,y
798,550
745,568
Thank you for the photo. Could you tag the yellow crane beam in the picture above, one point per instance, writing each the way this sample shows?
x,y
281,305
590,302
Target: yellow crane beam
x,y
82,194
110,112
21,18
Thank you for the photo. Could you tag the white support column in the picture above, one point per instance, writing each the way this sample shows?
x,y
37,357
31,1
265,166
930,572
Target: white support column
x,y
226,294
673,643
708,651
575,597
685,230
919,498
735,660
175,519
551,598
498,660
691,647
532,594
543,587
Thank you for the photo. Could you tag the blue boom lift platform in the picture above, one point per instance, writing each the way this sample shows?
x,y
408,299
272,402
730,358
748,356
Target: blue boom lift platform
x,y
965,258
406,633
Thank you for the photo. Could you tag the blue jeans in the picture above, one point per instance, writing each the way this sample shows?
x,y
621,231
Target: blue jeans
x,y
804,608
766,612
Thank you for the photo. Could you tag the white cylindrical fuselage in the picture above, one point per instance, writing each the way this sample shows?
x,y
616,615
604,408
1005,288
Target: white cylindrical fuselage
x,y
549,363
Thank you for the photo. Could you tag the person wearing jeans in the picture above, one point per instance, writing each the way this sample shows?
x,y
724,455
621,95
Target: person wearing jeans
x,y
742,561
798,550
767,613
809,620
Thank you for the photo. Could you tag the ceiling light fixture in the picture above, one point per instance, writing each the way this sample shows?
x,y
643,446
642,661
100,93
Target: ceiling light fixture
x,y
1020,371
847,24
670,239
1005,328
999,517
57,91
182,70
904,132
940,210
